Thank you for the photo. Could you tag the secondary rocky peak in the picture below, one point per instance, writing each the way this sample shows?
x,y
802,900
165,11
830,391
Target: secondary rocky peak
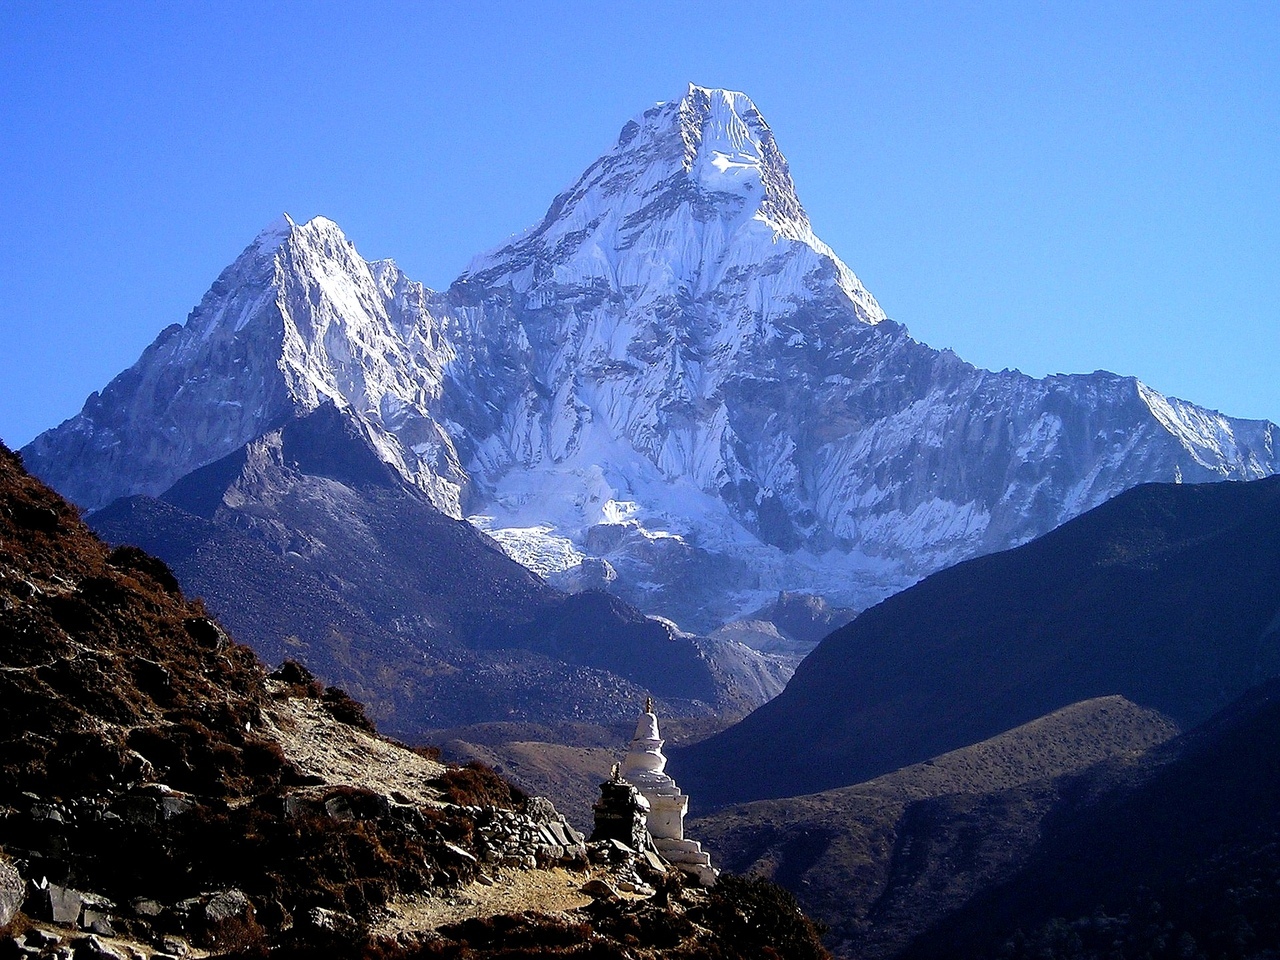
x,y
298,320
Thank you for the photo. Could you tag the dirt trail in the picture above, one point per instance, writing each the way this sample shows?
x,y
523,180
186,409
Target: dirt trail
x,y
512,891
324,747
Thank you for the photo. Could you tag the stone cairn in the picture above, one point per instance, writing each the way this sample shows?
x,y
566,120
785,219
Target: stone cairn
x,y
641,805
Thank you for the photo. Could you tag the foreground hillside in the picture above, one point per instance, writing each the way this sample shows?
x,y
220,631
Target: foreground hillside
x,y
1166,595
160,793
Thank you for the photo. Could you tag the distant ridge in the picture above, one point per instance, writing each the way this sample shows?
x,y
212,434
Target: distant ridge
x,y
1168,595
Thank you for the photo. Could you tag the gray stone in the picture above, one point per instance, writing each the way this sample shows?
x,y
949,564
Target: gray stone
x,y
654,861
175,946
339,808
330,920
147,908
12,890
598,889
57,904
175,804
541,810
227,905
459,852
91,948
97,921
222,914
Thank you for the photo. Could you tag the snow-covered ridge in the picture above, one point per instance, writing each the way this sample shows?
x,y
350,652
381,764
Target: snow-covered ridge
x,y
669,386
299,318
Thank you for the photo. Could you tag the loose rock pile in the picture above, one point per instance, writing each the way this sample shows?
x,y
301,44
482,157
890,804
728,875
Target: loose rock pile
x,y
537,837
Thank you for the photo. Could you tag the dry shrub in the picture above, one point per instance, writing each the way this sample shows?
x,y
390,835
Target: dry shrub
x,y
344,709
137,561
300,683
478,785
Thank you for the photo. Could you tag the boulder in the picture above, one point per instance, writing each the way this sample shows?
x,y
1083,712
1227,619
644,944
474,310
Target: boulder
x,y
598,889
229,920
56,904
91,948
541,810
12,891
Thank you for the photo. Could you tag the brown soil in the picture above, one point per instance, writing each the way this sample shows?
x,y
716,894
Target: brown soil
x,y
507,892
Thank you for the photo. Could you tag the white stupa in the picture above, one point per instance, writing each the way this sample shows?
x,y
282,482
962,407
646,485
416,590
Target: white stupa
x,y
644,768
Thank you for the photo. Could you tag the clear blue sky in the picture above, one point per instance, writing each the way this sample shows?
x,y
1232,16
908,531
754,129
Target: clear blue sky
x,y
1053,187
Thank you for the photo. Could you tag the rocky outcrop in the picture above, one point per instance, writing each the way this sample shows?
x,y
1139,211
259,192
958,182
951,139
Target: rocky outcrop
x,y
12,891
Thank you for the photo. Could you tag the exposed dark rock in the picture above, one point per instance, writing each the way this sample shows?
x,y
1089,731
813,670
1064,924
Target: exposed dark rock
x,y
620,815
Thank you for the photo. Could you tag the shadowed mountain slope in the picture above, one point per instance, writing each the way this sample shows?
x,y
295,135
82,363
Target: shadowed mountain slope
x,y
309,546
879,862
1168,595
1176,859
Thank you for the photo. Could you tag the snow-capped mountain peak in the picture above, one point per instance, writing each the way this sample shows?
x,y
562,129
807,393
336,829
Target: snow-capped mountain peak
x,y
273,234
669,383
730,149
694,198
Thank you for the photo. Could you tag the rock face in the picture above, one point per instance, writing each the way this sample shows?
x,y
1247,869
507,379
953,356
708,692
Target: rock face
x,y
645,767
670,373
12,891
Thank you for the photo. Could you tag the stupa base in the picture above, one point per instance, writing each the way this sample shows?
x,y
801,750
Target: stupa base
x,y
688,857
